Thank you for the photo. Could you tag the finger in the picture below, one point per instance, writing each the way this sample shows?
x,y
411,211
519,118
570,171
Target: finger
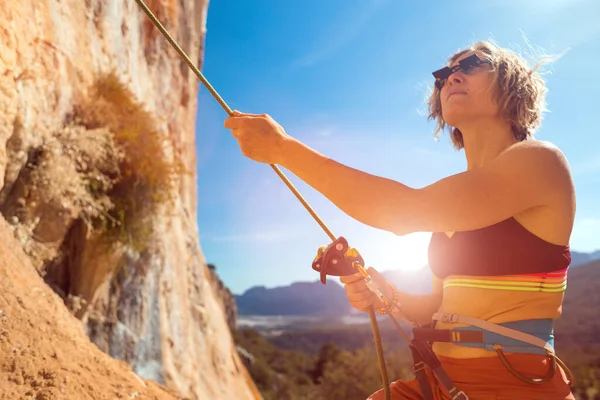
x,y
237,120
377,277
245,150
236,133
232,122
358,294
244,114
364,304
356,287
363,298
350,278
381,282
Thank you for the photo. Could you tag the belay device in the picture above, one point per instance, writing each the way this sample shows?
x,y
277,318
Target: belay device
x,y
337,259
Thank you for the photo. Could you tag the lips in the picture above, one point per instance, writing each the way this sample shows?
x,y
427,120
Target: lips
x,y
455,92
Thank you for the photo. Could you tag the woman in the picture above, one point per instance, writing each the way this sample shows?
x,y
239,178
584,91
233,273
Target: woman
x,y
499,250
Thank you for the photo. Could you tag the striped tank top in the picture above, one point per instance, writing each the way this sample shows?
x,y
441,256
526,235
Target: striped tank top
x,y
499,273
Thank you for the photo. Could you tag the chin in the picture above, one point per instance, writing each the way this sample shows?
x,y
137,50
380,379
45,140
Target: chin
x,y
453,117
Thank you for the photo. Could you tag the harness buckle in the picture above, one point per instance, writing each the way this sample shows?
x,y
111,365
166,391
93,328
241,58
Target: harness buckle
x,y
460,396
420,366
450,318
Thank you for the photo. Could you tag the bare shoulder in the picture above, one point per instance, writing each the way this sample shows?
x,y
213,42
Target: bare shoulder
x,y
537,150
537,156
543,170
547,172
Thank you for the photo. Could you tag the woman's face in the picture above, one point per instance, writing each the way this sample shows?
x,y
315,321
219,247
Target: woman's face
x,y
467,94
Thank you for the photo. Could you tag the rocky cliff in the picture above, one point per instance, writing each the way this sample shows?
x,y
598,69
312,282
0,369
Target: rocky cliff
x,y
225,297
44,352
97,155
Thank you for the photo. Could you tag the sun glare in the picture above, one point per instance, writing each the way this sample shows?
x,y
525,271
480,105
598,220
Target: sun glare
x,y
406,253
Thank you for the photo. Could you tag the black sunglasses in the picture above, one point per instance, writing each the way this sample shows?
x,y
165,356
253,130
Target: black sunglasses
x,y
465,65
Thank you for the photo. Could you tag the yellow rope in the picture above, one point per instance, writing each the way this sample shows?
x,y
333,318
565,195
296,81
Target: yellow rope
x,y
288,183
229,111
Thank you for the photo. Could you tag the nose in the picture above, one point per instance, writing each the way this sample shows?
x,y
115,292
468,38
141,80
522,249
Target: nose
x,y
456,77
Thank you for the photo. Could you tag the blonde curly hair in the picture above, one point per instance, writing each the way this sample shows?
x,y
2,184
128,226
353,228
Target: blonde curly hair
x,y
520,92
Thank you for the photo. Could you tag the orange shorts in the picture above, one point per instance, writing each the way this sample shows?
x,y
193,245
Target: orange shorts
x,y
488,379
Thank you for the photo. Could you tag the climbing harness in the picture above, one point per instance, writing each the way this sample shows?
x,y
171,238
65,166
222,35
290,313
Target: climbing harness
x,y
339,259
524,336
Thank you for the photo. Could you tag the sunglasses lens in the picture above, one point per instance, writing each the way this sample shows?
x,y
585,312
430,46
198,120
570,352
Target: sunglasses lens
x,y
442,73
465,66
440,76
469,63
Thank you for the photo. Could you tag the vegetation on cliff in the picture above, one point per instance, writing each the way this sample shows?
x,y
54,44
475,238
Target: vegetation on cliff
x,y
148,175
90,189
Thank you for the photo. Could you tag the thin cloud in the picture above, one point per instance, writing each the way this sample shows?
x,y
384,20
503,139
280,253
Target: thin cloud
x,y
578,29
586,232
587,167
251,237
326,132
536,6
590,222
423,89
344,32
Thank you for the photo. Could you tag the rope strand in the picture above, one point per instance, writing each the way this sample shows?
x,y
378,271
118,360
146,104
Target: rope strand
x,y
213,92
229,111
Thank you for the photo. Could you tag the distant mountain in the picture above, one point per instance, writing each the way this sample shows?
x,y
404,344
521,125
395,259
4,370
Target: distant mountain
x,y
316,299
578,258
299,298
579,323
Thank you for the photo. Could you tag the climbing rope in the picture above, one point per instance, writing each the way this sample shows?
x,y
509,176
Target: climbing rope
x,y
213,92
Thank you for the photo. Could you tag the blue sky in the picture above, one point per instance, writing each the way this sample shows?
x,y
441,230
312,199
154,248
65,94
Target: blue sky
x,y
350,79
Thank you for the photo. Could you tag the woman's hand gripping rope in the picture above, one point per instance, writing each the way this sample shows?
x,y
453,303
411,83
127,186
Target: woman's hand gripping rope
x,y
370,289
366,290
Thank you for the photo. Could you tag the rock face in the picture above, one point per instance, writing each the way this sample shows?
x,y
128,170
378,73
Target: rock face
x,y
225,297
44,352
144,298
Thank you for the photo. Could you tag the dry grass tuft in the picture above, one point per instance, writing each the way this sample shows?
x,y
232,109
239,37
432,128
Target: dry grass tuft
x,y
148,177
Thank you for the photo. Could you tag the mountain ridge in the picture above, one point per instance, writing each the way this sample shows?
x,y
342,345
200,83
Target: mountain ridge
x,y
312,298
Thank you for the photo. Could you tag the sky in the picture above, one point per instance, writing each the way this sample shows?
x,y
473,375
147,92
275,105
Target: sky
x,y
350,78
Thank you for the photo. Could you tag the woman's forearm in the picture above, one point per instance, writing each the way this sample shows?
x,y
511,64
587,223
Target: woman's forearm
x,y
418,308
372,200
